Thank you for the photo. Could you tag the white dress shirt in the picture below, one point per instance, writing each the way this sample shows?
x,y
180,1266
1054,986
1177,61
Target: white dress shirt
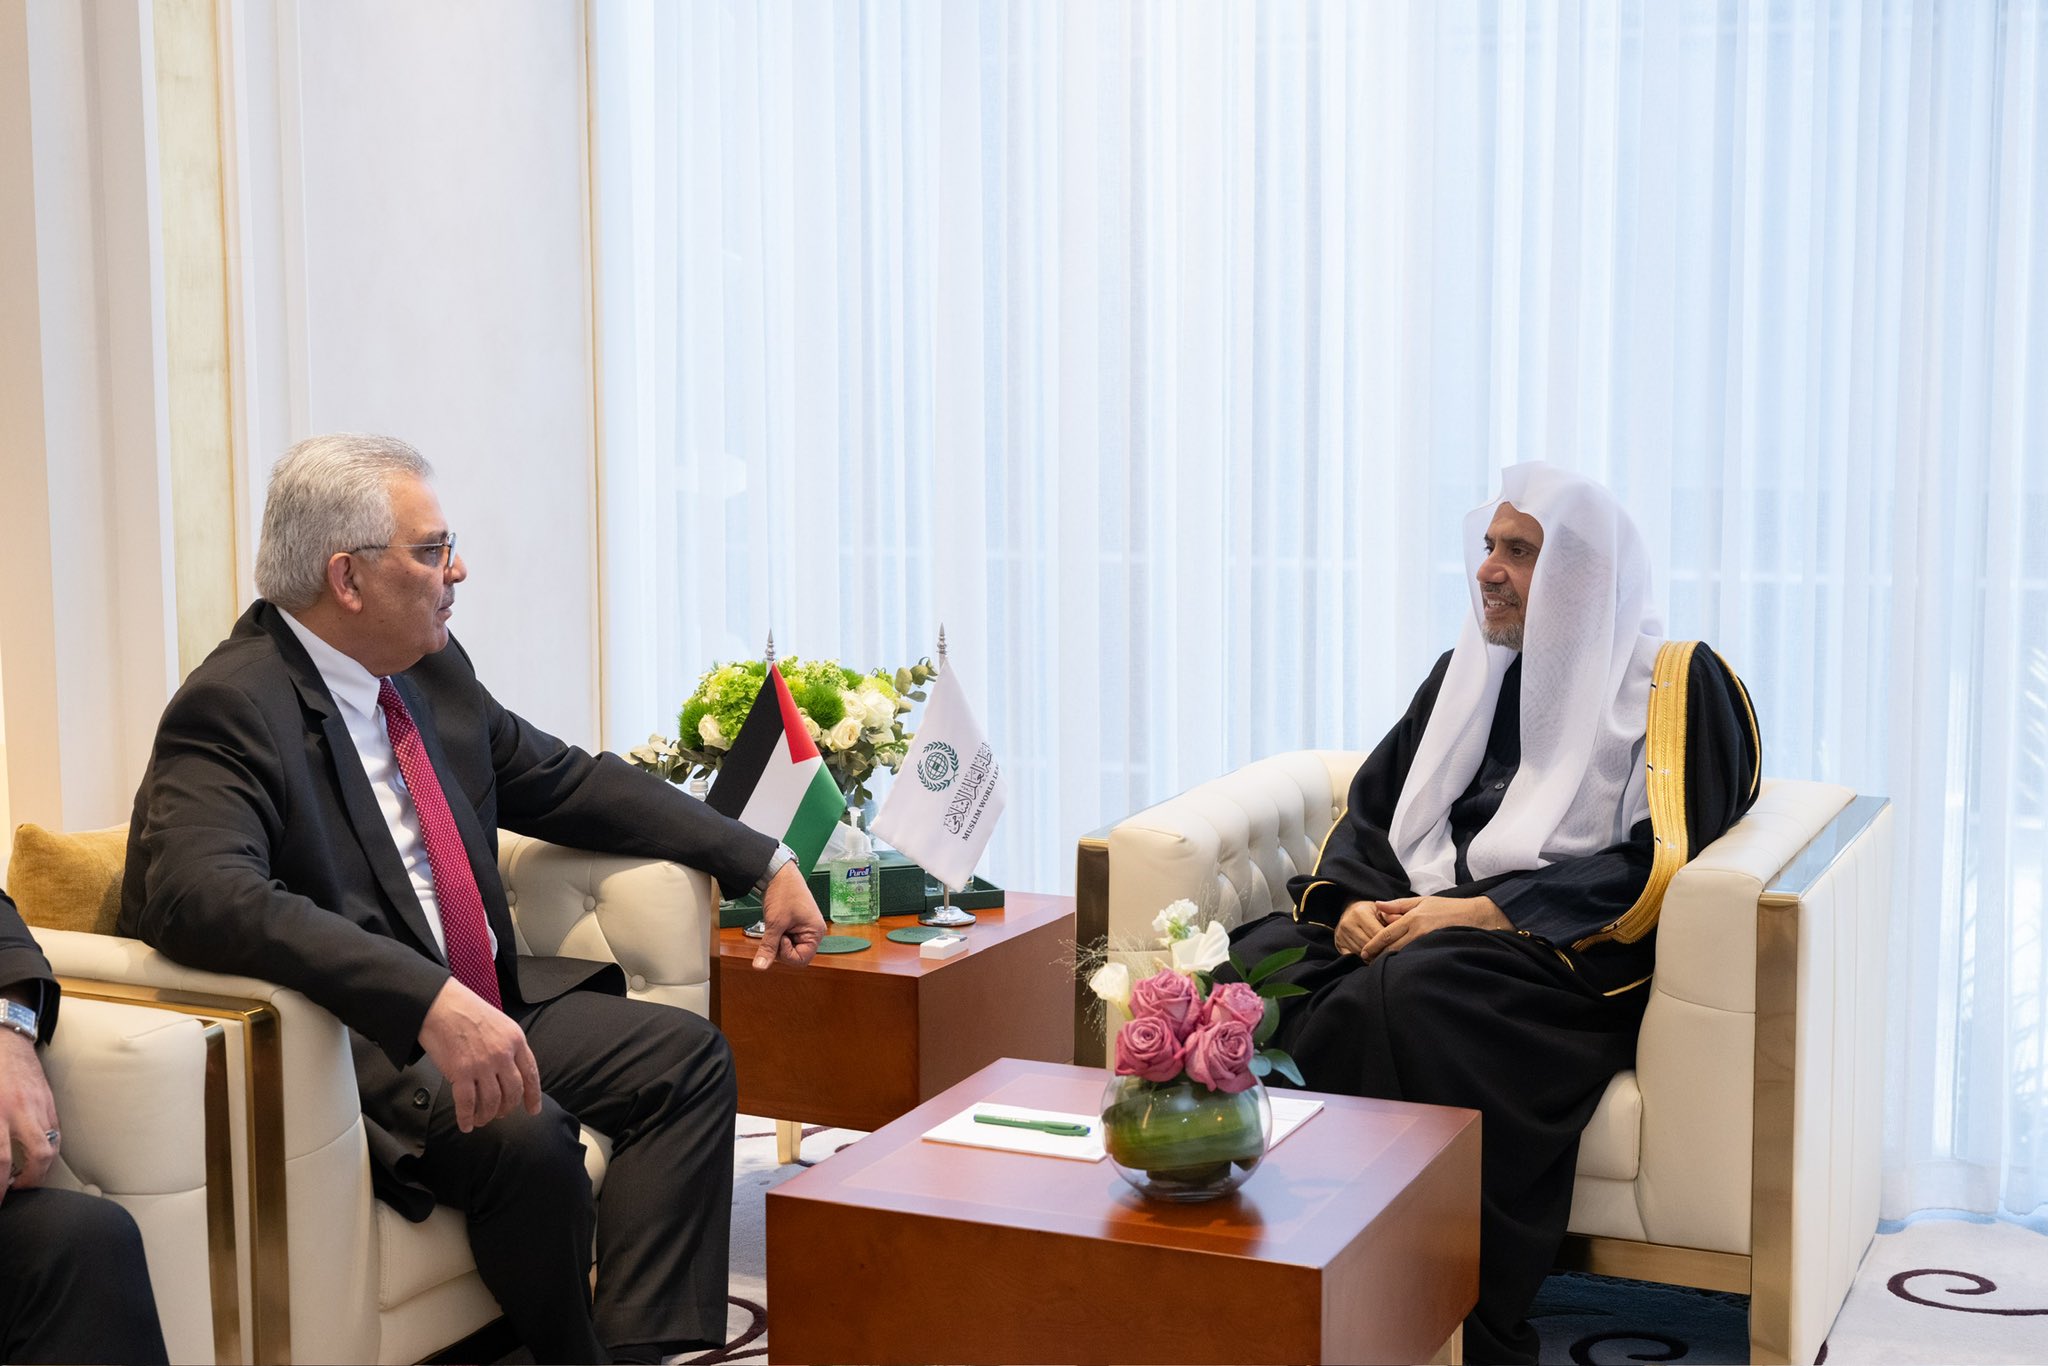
x,y
354,689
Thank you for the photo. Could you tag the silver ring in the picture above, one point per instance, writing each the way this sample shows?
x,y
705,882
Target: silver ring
x,y
51,1136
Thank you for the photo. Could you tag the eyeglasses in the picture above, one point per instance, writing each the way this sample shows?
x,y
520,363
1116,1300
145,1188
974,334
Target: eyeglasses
x,y
445,550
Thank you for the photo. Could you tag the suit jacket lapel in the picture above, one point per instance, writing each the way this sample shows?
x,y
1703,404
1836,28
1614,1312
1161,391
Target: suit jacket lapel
x,y
371,831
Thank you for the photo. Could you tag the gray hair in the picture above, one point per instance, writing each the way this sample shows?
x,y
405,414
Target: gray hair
x,y
329,494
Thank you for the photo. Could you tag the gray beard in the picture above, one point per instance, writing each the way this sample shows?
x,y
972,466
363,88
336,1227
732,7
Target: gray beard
x,y
1508,637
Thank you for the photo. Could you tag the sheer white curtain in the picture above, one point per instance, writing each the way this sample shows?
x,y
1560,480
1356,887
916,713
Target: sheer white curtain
x,y
1156,347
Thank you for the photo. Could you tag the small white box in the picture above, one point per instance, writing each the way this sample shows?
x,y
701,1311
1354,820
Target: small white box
x,y
943,946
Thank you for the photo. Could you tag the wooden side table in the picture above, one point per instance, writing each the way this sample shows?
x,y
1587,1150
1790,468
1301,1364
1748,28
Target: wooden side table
x,y
1356,1240
854,1040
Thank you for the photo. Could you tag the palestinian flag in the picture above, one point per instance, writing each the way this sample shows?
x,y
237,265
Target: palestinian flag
x,y
775,781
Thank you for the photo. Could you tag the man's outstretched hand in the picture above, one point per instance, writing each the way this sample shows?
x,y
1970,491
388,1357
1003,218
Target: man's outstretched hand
x,y
483,1054
791,924
1371,928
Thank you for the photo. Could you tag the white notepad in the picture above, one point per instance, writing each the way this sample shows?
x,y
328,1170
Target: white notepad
x,y
962,1129
1289,1114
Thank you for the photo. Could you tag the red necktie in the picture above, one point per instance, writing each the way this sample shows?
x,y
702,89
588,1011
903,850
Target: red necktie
x,y
462,905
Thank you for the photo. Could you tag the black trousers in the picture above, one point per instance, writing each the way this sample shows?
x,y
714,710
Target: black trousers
x,y
76,1286
659,1082
1487,1020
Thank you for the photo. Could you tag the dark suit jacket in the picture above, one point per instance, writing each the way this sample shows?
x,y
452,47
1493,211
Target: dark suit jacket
x,y
257,848
21,961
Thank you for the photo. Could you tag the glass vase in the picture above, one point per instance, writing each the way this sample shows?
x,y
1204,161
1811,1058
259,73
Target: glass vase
x,y
1179,1140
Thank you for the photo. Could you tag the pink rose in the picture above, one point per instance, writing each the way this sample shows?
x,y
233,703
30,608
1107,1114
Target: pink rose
x,y
1220,1056
1147,1047
1168,995
1234,1001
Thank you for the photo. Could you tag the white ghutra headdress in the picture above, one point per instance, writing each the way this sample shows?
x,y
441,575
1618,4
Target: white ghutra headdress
x,y
1589,640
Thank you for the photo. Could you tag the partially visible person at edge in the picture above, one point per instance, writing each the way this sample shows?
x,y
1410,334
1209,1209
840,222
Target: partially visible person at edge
x,y
1480,926
321,809
76,1287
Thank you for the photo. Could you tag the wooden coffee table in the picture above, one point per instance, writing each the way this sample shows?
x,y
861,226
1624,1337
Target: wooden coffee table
x,y
1357,1240
854,1040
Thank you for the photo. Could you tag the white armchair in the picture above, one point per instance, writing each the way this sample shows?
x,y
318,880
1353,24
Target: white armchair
x,y
1741,1152
143,1098
330,1273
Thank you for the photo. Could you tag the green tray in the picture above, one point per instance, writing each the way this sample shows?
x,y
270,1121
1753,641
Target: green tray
x,y
904,886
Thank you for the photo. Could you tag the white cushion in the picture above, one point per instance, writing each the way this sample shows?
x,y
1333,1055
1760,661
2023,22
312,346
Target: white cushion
x,y
129,1082
1611,1146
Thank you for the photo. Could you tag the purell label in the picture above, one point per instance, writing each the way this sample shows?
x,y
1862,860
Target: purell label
x,y
858,875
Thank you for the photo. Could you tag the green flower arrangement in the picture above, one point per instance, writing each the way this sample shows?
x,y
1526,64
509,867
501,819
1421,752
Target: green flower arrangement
x,y
855,719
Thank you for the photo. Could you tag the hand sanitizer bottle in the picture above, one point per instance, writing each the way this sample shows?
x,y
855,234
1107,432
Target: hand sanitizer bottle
x,y
856,894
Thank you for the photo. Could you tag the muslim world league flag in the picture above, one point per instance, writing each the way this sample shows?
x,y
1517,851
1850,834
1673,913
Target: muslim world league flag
x,y
774,780
943,805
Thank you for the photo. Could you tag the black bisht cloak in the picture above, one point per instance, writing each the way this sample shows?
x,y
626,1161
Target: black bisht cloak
x,y
1528,1026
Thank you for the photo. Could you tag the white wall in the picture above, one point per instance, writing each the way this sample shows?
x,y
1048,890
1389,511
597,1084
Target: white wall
x,y
406,216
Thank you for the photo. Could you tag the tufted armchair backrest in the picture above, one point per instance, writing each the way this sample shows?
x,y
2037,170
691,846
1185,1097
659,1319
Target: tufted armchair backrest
x,y
1230,846
654,919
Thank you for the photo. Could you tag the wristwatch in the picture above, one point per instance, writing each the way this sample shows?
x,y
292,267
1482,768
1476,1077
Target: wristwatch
x,y
783,854
22,1020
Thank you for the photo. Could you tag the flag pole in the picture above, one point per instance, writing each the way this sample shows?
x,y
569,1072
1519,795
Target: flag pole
x,y
760,927
947,916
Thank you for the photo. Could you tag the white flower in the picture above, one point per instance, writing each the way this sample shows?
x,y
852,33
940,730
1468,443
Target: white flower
x,y
1176,922
845,735
1203,952
811,727
1112,982
709,733
878,709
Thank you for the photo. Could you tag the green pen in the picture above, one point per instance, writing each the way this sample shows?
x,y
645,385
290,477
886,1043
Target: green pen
x,y
1064,1128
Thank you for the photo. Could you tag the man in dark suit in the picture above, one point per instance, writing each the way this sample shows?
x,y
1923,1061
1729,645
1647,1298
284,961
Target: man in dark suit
x,y
76,1286
321,809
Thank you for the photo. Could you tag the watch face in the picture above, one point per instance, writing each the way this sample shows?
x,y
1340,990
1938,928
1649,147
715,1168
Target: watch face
x,y
18,1017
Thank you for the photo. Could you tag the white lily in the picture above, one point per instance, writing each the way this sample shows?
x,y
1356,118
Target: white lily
x,y
1112,982
1203,952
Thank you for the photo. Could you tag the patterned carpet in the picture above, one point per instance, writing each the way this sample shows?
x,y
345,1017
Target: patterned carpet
x,y
1932,1290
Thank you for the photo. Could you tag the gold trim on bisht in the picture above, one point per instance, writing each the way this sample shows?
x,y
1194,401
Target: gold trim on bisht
x,y
1664,746
1317,866
1756,739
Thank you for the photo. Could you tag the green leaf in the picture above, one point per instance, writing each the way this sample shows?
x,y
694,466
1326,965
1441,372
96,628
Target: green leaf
x,y
1280,991
1268,1022
1286,958
1261,1064
1282,1064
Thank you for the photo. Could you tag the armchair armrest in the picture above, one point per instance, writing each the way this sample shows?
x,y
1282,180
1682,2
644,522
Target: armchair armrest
x,y
653,918
297,1129
1228,845
142,1097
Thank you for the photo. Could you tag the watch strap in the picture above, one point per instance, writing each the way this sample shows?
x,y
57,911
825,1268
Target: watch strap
x,y
783,855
